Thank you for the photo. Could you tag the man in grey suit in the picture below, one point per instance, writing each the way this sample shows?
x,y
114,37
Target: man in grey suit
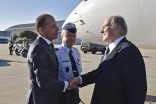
x,y
121,77
43,66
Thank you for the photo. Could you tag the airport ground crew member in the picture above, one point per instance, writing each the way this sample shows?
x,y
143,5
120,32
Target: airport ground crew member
x,y
10,42
69,62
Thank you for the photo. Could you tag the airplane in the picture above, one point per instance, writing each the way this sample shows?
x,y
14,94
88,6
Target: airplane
x,y
139,15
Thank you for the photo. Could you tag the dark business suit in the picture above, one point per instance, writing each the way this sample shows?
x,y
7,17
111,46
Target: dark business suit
x,y
120,78
44,85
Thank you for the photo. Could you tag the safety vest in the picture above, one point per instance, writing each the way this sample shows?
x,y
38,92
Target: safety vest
x,y
25,44
10,44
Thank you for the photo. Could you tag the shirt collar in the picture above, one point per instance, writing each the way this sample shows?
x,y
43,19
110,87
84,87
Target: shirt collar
x,y
48,42
114,43
66,48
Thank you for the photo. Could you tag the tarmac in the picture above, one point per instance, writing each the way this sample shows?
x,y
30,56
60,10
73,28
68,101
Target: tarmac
x,y
14,76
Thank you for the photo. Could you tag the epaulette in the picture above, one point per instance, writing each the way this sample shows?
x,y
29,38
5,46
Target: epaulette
x,y
56,49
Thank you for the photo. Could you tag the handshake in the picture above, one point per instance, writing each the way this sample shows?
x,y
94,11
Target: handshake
x,y
73,82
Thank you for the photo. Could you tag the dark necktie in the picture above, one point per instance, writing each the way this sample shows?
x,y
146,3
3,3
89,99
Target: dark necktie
x,y
52,47
74,68
106,53
53,51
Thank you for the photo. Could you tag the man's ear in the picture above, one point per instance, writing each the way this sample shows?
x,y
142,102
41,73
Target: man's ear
x,y
41,30
117,27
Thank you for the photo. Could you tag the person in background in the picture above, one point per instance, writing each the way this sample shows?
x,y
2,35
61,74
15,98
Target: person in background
x,y
25,43
10,42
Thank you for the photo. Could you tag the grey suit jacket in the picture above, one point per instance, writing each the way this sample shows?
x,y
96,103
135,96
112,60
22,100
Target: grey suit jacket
x,y
120,78
42,64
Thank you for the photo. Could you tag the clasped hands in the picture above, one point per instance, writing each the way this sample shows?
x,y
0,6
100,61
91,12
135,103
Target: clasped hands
x,y
73,82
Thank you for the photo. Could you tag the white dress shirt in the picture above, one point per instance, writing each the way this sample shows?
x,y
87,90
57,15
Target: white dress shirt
x,y
114,44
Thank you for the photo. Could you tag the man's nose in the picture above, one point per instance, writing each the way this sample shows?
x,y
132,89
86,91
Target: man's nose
x,y
102,31
57,29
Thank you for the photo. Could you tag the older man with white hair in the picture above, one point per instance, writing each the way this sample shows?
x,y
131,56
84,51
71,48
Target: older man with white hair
x,y
121,75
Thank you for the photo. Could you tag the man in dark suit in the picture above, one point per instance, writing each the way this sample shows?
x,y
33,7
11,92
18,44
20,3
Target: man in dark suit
x,y
121,76
42,63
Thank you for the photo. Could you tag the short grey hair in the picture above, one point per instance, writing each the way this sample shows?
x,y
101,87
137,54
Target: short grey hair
x,y
119,20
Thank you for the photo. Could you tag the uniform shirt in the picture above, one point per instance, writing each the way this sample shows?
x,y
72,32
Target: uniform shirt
x,y
49,42
64,62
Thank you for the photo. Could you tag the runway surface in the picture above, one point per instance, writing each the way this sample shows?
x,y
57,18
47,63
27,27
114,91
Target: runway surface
x,y
14,79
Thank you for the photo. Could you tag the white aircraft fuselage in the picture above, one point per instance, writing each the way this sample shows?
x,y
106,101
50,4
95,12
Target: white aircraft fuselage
x,y
140,17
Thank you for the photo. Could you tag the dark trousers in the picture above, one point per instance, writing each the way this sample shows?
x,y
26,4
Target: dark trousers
x,y
10,49
70,96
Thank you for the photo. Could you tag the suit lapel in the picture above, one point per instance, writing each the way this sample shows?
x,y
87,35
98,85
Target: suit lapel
x,y
101,59
53,57
108,59
52,54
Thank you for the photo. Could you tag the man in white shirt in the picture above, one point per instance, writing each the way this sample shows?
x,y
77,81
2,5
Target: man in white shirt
x,y
121,77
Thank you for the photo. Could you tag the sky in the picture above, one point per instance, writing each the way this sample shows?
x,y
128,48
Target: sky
x,y
13,12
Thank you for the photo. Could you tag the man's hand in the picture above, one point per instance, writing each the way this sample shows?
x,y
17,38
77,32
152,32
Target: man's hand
x,y
70,79
71,86
73,82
